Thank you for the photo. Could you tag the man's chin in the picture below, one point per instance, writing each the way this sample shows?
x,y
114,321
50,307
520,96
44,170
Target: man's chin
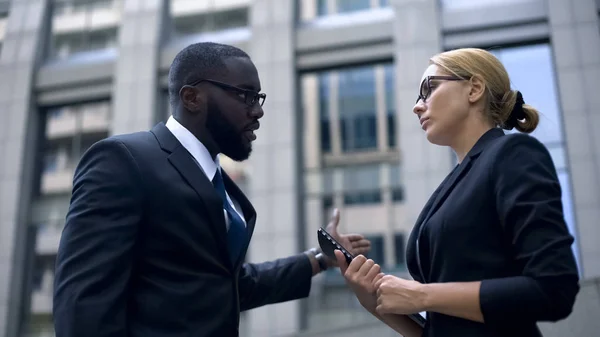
x,y
239,154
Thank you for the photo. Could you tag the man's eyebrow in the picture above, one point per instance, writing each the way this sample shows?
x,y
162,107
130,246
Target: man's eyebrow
x,y
247,86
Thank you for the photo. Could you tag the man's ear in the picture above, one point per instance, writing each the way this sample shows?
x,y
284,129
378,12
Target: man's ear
x,y
477,89
191,98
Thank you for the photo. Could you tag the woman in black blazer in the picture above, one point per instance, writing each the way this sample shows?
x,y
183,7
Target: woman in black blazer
x,y
490,253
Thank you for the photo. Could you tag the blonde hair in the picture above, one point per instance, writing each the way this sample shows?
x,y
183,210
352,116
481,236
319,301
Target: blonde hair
x,y
502,103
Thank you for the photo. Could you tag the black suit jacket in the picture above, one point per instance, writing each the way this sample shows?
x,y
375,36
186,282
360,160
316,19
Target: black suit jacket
x,y
498,218
143,252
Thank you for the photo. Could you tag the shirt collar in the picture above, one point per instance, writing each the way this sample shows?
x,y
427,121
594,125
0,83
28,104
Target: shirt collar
x,y
194,147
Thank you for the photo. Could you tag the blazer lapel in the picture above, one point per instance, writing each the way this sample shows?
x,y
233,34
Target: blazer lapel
x,y
448,185
249,212
181,159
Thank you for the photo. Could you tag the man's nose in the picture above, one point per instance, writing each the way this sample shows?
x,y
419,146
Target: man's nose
x,y
257,112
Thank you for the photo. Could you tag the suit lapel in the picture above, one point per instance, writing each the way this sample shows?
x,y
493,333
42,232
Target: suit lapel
x,y
249,212
182,160
447,187
453,178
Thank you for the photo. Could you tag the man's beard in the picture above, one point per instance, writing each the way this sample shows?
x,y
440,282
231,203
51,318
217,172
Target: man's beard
x,y
228,139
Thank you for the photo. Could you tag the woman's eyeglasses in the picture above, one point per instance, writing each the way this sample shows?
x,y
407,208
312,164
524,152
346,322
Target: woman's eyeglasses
x,y
425,89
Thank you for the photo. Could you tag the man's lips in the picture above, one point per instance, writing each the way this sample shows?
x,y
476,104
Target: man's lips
x,y
249,131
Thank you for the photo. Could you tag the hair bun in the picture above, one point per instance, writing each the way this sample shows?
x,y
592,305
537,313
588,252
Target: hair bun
x,y
517,113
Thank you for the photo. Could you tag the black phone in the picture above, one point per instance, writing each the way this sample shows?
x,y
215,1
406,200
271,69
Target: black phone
x,y
328,245
418,319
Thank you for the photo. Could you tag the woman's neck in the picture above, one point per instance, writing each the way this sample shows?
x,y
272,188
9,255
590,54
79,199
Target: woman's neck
x,y
466,139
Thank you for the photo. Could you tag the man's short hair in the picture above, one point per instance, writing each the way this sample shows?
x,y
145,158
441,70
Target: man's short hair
x,y
196,61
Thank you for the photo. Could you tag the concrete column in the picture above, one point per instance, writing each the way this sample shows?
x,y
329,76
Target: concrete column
x,y
21,52
576,44
423,165
275,163
135,91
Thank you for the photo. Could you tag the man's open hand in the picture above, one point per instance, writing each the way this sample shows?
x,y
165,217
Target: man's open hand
x,y
356,244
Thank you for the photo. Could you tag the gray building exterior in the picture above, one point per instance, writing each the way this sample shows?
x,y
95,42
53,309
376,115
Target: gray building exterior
x,y
341,78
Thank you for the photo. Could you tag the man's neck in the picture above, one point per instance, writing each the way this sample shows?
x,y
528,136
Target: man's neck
x,y
201,133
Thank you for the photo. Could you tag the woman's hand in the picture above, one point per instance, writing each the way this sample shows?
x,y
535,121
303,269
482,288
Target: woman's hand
x,y
399,296
361,276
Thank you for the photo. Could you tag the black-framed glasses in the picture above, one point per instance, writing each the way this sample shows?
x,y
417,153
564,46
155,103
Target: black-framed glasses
x,y
250,97
425,89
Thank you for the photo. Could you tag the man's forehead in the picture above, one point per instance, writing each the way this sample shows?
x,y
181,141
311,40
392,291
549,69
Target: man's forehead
x,y
241,71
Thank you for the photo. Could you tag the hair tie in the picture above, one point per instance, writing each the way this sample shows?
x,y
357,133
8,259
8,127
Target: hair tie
x,y
517,112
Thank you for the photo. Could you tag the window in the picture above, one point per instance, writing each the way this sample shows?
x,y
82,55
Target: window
x,y
399,248
70,131
377,252
3,21
351,111
192,17
358,117
470,4
362,185
352,5
311,9
396,183
390,104
325,122
84,26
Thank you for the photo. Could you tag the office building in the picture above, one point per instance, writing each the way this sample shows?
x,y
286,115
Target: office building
x,y
341,78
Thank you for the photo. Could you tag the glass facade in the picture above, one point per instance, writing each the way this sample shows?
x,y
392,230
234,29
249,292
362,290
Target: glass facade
x,y
470,4
350,111
348,123
84,26
311,9
192,17
70,131
3,19
350,135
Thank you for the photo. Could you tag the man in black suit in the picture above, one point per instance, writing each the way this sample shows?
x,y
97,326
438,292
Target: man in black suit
x,y
156,234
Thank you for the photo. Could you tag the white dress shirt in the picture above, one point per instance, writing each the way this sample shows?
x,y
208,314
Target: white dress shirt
x,y
202,157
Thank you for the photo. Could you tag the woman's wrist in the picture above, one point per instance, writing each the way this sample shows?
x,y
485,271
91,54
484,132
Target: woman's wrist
x,y
428,296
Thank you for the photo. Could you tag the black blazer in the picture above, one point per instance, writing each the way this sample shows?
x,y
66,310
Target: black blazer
x,y
143,252
498,218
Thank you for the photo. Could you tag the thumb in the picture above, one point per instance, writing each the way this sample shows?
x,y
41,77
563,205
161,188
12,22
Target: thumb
x,y
341,260
334,222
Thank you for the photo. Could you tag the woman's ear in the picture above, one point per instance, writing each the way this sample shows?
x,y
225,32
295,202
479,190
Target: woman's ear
x,y
477,89
191,98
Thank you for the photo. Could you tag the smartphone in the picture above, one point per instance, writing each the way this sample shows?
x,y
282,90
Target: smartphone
x,y
328,245
419,319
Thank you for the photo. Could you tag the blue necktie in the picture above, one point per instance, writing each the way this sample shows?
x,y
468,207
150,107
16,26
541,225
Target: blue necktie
x,y
237,235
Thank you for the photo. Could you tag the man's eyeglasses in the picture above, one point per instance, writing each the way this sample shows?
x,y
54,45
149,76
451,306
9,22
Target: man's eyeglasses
x,y
250,97
425,89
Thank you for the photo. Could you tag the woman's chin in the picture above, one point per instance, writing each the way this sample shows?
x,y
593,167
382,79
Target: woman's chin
x,y
433,137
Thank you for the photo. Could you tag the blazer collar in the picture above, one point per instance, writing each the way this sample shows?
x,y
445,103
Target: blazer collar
x,y
183,162
459,171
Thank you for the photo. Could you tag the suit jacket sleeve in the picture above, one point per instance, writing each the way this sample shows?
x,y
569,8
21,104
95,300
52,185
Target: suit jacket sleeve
x,y
528,197
96,251
275,281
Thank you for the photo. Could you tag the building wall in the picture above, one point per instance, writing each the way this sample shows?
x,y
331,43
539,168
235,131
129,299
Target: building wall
x,y
341,79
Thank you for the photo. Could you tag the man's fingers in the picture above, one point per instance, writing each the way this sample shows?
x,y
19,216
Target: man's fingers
x,y
355,237
361,243
334,222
